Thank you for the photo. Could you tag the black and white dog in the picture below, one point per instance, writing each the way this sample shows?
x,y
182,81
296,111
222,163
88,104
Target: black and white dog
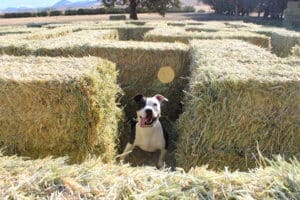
x,y
147,132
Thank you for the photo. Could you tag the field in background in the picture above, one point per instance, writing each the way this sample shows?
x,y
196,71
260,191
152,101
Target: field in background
x,y
236,88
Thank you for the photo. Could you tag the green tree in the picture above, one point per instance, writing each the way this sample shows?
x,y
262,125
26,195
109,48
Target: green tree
x,y
159,6
270,8
232,6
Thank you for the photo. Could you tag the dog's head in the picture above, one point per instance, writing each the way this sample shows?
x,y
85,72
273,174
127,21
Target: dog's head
x,y
148,108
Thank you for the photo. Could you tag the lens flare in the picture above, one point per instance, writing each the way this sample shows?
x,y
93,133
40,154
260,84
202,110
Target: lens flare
x,y
166,74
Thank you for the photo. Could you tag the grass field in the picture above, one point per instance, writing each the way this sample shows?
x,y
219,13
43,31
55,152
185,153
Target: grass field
x,y
66,90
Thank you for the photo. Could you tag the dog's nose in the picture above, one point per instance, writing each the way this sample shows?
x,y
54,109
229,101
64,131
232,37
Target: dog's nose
x,y
149,112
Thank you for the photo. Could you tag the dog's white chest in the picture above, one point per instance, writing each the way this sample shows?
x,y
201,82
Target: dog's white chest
x,y
150,138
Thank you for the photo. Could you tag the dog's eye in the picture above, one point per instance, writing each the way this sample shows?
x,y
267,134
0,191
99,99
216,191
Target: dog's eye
x,y
155,104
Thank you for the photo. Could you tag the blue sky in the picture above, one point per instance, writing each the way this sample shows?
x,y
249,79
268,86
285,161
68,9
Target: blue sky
x,y
28,3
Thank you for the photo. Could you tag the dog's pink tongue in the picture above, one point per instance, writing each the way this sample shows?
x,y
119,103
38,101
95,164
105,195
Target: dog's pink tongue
x,y
143,121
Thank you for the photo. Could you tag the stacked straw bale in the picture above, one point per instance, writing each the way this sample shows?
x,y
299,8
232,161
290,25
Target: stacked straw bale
x,y
292,14
117,17
58,106
296,51
138,23
18,45
54,179
180,24
284,41
241,98
125,32
133,33
6,30
180,35
34,33
213,26
138,62
41,34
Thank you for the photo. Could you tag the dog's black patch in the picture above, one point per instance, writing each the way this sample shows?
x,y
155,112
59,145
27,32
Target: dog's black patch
x,y
132,132
140,101
166,136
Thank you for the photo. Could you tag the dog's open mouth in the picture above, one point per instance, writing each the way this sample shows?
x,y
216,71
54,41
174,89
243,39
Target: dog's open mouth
x,y
147,121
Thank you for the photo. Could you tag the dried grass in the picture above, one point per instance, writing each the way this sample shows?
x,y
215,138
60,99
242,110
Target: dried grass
x,y
240,96
7,30
180,35
58,106
296,51
20,32
283,42
125,32
41,34
54,179
138,62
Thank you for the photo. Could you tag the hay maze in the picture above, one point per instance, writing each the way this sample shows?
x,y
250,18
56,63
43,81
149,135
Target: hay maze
x,y
234,89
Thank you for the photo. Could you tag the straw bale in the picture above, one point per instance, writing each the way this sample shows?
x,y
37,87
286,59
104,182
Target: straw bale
x,y
125,31
202,29
180,35
216,26
296,50
194,23
20,32
42,34
292,15
7,30
237,24
283,42
138,23
133,33
241,97
180,24
54,179
138,62
14,45
117,17
58,106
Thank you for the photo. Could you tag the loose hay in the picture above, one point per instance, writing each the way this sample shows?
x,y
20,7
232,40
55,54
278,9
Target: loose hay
x,y
241,97
180,35
284,41
58,106
54,179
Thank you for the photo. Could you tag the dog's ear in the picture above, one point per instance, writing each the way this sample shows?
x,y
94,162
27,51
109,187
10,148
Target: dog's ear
x,y
137,98
161,98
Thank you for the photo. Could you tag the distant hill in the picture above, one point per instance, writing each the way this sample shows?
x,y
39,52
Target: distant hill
x,y
19,9
62,3
59,5
65,4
